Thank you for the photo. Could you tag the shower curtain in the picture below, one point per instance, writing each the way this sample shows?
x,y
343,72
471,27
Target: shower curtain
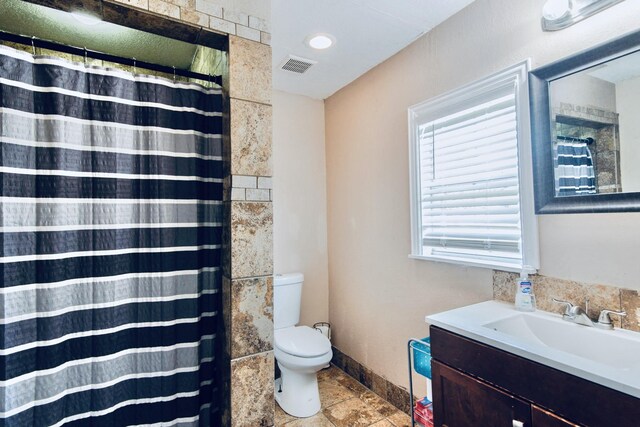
x,y
574,171
110,235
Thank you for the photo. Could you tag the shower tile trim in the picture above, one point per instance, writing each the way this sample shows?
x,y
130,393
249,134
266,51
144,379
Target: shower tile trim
x,y
251,188
209,14
201,15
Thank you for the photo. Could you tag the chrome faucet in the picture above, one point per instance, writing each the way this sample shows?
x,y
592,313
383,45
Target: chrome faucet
x,y
580,316
575,314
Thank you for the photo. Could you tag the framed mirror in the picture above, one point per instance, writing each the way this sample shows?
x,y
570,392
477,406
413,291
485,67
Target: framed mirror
x,y
585,130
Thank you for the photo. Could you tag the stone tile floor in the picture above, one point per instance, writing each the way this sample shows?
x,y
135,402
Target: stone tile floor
x,y
346,403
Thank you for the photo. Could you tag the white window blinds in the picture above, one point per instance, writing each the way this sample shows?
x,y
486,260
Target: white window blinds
x,y
467,178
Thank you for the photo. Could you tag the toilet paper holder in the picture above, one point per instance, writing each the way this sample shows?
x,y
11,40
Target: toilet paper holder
x,y
324,328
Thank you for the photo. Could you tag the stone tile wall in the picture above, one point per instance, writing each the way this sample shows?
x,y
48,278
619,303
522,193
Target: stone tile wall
x,y
209,14
600,296
248,269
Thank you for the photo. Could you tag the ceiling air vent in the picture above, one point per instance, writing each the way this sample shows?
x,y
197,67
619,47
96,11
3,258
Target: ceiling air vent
x,y
296,64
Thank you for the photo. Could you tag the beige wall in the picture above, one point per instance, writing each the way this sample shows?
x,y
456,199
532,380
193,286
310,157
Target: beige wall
x,y
627,97
300,199
378,296
583,90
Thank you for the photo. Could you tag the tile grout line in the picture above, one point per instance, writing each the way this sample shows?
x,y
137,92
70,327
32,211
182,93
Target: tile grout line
x,y
358,397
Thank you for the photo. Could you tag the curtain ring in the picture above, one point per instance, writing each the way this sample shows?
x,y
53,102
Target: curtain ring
x,y
33,44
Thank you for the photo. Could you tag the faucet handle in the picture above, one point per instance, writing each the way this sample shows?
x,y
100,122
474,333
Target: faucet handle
x,y
604,318
567,306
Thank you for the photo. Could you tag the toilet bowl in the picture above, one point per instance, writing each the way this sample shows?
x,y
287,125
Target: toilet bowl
x,y
300,351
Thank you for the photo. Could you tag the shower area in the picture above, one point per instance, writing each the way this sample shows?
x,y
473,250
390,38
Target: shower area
x,y
586,131
135,286
111,239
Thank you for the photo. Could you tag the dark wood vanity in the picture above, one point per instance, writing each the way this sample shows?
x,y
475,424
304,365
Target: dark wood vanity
x,y
476,385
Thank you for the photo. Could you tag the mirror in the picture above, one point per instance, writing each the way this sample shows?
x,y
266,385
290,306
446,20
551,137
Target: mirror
x,y
585,123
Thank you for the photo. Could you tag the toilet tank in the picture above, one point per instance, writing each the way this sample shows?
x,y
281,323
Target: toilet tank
x,y
287,294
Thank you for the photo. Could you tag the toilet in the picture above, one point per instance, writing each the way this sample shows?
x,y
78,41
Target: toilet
x,y
299,350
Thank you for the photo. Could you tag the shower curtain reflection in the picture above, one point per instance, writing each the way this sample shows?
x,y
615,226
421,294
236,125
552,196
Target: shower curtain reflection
x,y
573,166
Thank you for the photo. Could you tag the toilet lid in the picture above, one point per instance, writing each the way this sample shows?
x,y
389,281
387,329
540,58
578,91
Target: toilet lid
x,y
301,341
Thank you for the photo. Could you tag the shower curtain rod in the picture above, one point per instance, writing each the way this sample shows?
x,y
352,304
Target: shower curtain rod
x,y
587,141
46,44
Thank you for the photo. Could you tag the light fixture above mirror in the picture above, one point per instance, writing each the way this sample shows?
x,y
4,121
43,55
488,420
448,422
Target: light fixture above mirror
x,y
559,14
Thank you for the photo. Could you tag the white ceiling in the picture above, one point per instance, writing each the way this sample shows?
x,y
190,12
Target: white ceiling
x,y
367,32
618,70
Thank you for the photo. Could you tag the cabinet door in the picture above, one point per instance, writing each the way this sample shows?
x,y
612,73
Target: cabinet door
x,y
463,401
542,418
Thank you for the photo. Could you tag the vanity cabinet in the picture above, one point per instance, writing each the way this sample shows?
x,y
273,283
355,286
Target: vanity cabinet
x,y
541,417
466,401
478,385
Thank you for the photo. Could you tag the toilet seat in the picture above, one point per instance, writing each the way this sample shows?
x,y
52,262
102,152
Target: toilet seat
x,y
301,341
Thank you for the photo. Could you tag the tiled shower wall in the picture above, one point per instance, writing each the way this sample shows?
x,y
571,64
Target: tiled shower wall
x,y
600,296
601,125
211,15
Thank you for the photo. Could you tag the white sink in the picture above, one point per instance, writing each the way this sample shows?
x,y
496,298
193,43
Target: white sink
x,y
607,357
612,349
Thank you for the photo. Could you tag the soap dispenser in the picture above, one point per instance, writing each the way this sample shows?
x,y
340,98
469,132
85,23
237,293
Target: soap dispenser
x,y
525,299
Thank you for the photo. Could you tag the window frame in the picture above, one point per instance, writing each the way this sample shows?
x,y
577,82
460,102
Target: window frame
x,y
450,103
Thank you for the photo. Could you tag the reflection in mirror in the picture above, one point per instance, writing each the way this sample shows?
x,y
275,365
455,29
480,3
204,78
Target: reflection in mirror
x,y
595,117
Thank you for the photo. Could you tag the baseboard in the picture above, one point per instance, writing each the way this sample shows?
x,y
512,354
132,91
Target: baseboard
x,y
392,393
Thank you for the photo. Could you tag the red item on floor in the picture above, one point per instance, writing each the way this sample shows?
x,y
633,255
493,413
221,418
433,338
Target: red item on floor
x,y
425,422
423,412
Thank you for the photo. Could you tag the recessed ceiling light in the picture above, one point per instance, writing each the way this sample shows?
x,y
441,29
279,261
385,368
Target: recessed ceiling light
x,y
321,41
85,17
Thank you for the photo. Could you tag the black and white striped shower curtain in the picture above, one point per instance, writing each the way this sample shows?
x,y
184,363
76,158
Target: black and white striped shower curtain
x,y
110,229
574,171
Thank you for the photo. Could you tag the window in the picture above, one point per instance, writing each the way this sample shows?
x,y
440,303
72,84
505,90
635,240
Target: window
x,y
471,177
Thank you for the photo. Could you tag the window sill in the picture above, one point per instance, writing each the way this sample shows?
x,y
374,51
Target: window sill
x,y
464,263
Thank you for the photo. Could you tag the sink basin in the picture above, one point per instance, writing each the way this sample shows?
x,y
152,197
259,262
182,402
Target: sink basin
x,y
607,357
618,352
